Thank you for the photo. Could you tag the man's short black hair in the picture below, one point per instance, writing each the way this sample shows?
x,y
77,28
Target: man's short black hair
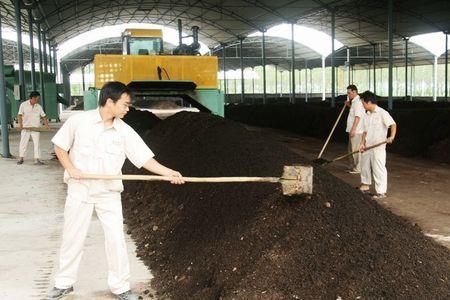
x,y
352,87
34,94
112,90
368,96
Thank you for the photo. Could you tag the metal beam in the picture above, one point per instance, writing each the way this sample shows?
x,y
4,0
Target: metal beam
x,y
435,66
3,112
406,68
263,55
390,51
44,46
333,74
33,69
323,79
347,64
82,79
41,73
306,80
374,65
276,79
446,66
20,49
241,39
50,59
224,70
293,64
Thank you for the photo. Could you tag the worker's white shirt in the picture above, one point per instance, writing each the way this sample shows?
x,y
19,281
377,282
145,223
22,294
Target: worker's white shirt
x,y
356,110
31,114
376,125
96,149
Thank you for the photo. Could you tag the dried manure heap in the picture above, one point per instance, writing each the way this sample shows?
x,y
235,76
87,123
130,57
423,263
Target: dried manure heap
x,y
248,241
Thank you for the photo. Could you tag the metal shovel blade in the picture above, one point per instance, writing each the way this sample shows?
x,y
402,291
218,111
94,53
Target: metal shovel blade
x,y
297,180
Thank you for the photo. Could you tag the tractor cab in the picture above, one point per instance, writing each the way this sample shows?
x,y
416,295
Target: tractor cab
x,y
142,42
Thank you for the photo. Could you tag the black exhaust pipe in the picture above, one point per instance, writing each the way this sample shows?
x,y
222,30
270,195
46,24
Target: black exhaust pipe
x,y
180,33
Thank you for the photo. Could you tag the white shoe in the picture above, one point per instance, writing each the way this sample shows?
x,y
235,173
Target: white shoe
x,y
379,196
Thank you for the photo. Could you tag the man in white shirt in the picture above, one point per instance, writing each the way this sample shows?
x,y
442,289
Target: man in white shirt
x,y
377,121
30,115
97,142
354,128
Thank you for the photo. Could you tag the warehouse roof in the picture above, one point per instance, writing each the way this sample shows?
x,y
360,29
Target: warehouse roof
x,y
358,22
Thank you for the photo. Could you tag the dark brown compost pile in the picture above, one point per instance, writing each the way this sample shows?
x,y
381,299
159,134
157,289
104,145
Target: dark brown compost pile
x,y
247,241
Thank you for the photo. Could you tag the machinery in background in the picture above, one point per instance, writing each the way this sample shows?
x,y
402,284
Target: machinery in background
x,y
183,78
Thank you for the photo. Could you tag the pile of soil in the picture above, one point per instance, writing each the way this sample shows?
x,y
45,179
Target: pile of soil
x,y
141,120
423,127
248,241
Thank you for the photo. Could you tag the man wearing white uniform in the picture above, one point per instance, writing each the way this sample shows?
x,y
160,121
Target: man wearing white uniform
x,y
354,128
98,142
377,121
30,115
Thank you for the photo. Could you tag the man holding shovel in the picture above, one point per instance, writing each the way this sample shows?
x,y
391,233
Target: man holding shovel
x,y
376,123
98,141
354,128
30,115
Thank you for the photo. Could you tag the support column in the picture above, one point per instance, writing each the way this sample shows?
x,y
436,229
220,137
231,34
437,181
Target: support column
x,y
446,66
263,54
241,40
390,51
50,59
44,46
333,74
82,79
3,112
66,84
306,81
323,78
411,78
276,80
281,84
224,70
33,70
41,73
347,64
55,62
374,64
435,65
20,49
406,68
293,64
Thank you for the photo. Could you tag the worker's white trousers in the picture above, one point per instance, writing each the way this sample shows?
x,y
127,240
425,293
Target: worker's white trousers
x,y
355,159
373,162
77,217
25,138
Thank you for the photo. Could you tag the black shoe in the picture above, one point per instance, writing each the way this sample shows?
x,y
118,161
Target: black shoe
x,y
20,161
56,293
39,163
128,295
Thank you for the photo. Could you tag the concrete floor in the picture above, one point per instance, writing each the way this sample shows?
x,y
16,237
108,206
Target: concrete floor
x,y
418,189
31,220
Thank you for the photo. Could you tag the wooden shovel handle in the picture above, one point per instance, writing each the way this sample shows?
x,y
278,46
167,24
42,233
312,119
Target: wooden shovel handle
x,y
354,152
38,129
186,179
331,132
